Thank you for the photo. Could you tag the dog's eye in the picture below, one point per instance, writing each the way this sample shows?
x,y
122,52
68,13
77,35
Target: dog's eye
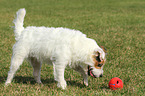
x,y
99,65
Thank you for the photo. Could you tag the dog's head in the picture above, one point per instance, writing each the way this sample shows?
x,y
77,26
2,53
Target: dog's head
x,y
98,59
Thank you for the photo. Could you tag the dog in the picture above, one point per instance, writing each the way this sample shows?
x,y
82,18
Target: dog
x,y
57,46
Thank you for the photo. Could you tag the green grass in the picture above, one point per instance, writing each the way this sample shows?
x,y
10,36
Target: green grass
x,y
119,25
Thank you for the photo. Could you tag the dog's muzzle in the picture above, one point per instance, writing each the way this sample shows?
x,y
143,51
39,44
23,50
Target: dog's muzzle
x,y
90,73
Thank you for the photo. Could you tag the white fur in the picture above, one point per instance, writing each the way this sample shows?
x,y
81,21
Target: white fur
x,y
57,46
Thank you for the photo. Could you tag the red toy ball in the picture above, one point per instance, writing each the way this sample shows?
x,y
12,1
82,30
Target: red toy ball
x,y
115,83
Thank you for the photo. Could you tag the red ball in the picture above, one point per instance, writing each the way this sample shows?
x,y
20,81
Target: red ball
x,y
115,83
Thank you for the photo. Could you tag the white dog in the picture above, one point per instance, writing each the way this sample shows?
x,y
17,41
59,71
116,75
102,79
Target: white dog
x,y
57,46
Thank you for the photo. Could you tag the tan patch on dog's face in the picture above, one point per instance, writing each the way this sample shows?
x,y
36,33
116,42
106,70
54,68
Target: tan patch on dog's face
x,y
97,62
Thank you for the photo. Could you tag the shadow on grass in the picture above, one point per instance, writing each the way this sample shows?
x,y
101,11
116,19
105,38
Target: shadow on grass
x,y
49,81
26,80
30,80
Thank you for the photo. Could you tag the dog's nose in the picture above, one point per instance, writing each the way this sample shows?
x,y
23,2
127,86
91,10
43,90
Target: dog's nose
x,y
101,75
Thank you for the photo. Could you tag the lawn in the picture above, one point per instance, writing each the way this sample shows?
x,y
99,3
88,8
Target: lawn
x,y
119,25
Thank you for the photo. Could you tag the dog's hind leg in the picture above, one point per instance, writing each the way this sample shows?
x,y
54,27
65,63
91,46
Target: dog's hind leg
x,y
16,61
36,69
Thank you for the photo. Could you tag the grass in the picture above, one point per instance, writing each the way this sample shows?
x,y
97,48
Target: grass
x,y
116,24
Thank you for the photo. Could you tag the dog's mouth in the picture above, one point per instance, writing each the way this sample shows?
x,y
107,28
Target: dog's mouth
x,y
90,73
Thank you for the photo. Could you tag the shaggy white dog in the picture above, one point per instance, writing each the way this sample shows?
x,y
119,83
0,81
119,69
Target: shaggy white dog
x,y
57,46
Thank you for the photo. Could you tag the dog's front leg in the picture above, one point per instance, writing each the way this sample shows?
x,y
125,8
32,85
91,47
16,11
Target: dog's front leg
x,y
85,76
59,69
83,73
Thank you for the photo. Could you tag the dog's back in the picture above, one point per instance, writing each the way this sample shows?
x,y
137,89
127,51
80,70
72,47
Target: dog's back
x,y
51,42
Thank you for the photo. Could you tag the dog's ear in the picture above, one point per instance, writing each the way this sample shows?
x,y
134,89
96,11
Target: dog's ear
x,y
100,53
104,49
97,53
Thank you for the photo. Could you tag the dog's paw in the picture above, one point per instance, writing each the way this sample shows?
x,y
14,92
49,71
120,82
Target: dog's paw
x,y
7,84
62,85
39,82
86,83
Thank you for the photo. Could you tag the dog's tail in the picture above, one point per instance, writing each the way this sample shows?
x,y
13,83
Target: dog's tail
x,y
18,21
